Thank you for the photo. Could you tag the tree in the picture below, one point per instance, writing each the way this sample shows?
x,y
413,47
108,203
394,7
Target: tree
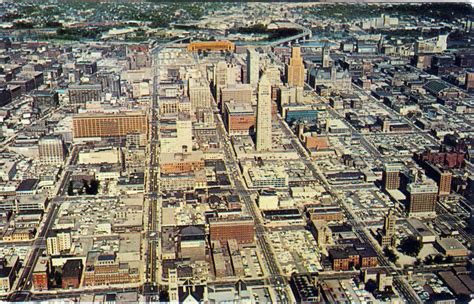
x,y
411,246
390,254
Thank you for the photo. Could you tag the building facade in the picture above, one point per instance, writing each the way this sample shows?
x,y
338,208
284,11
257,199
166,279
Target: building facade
x,y
264,116
51,150
422,199
391,176
109,125
71,274
239,93
199,93
239,118
330,79
242,229
105,269
41,274
295,68
212,46
80,94
59,242
253,67
181,162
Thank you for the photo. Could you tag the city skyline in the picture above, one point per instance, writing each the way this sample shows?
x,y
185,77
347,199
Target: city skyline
x,y
257,152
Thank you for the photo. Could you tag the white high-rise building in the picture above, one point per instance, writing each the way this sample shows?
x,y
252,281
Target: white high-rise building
x,y
264,115
224,74
58,243
51,150
273,74
326,57
253,66
199,93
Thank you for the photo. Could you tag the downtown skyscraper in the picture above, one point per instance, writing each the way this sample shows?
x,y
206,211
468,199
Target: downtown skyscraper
x,y
253,67
264,115
295,68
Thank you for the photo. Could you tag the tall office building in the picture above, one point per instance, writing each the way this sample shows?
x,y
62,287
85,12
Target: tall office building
x,y
253,66
442,175
59,241
264,115
391,176
295,69
110,82
51,150
389,223
239,118
422,197
45,99
109,125
80,94
387,237
273,74
199,93
241,229
326,59
444,183
223,75
220,77
239,93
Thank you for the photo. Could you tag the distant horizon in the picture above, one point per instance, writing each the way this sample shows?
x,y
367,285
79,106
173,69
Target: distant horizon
x,y
281,1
